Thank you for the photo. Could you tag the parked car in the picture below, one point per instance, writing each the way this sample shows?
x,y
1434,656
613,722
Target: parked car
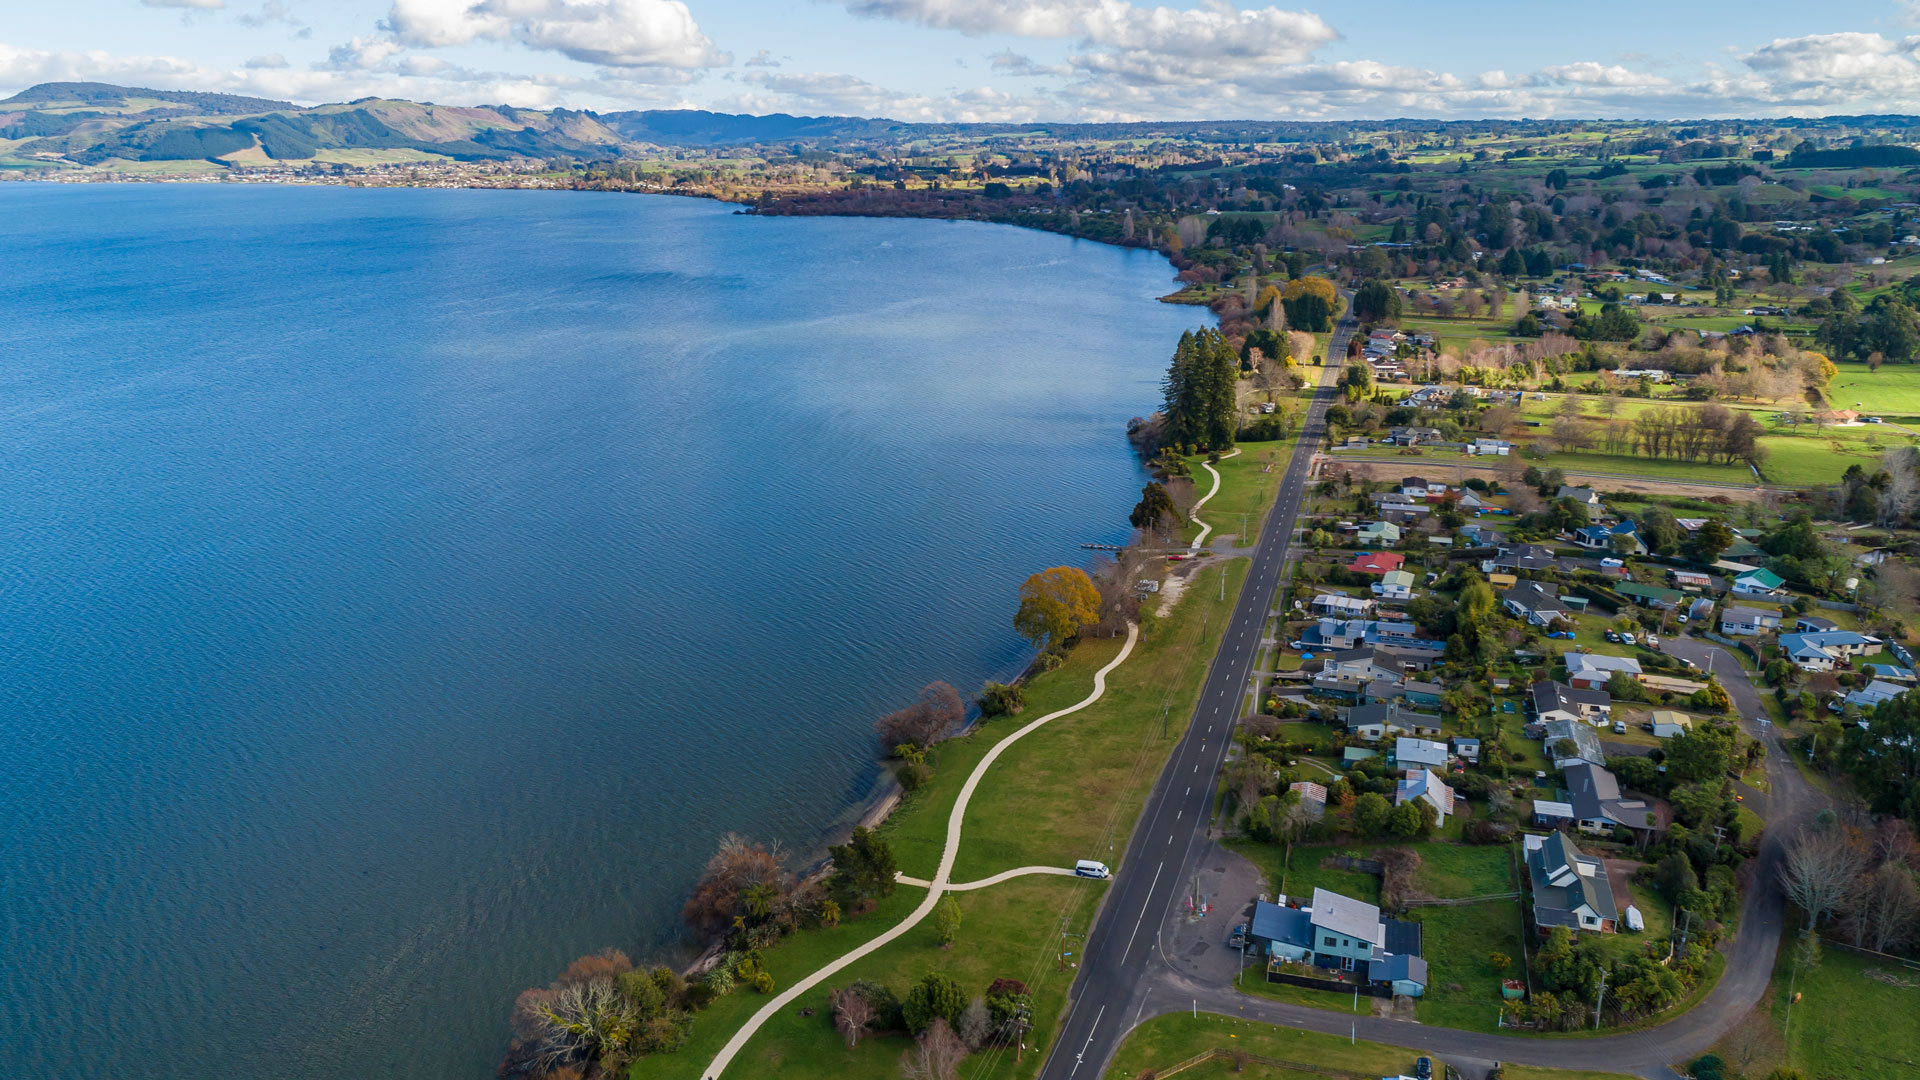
x,y
1626,639
1619,727
1092,869
1871,420
1423,1069
1238,939
1653,641
1613,635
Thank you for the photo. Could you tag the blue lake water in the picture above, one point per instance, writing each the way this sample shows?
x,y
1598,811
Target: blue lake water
x,y
402,590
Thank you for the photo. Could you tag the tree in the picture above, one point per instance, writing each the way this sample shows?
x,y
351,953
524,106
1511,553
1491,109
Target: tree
x,y
947,920
934,997
1410,819
1002,699
1055,604
1198,396
1712,697
736,868
852,1014
1376,301
1675,877
863,867
936,1054
932,718
1370,813
1709,541
1700,753
1885,903
1155,511
1818,874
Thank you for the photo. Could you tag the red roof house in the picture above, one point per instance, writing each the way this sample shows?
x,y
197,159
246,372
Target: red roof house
x,y
1380,562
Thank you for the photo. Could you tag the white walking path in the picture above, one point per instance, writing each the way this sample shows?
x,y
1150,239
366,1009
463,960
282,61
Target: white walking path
x,y
1215,490
939,884
969,886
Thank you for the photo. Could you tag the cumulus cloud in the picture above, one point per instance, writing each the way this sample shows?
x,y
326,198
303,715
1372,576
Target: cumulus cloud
x,y
269,62
763,59
611,33
272,11
849,95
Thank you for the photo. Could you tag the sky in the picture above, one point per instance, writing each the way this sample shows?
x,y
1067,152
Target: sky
x,y
1003,60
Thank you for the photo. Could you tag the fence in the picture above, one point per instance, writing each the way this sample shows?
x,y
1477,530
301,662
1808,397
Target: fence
x,y
1334,985
1462,901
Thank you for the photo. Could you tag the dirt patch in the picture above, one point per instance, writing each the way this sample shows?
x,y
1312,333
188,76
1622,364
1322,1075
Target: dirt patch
x,y
1619,874
1880,975
1396,1008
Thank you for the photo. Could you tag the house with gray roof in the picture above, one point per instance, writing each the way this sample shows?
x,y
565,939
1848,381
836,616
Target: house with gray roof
x,y
1342,933
1570,887
1590,671
1571,742
1421,785
1419,754
1741,621
1598,806
1557,701
1536,602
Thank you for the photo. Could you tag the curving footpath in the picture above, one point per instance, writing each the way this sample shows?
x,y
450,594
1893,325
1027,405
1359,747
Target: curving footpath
x,y
937,886
1004,875
1194,514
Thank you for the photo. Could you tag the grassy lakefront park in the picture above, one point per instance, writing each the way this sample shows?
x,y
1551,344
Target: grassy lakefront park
x,y
1067,791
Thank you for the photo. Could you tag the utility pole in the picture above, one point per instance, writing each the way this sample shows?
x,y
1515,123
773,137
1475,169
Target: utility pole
x,y
1597,998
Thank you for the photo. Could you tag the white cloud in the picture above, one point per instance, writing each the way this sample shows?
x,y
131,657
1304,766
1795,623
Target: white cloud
x,y
762,59
270,62
611,33
849,95
272,11
1013,63
1588,73
201,5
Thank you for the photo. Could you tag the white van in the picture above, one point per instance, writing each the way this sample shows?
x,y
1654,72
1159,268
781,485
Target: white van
x,y
1089,868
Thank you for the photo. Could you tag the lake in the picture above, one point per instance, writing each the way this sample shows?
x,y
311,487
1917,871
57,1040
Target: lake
x,y
403,590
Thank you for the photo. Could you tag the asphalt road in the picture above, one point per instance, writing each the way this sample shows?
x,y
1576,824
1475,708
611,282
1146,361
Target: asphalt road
x,y
1161,856
1124,978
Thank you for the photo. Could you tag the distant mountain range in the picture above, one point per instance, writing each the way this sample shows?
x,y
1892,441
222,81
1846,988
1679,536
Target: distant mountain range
x,y
100,124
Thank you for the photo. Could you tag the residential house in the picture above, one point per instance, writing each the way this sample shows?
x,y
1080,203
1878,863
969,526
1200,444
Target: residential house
x,y
1761,584
1824,650
1521,558
1424,785
1668,723
1420,693
1741,621
1339,605
1584,496
1622,536
1394,585
1874,694
1372,662
1571,742
1700,610
1499,447
1691,579
1419,754
1535,602
1389,718
1557,701
1590,671
1653,596
1412,436
1377,562
1313,798
1416,487
1337,931
1570,887
1467,750
1379,532
1598,805
1813,624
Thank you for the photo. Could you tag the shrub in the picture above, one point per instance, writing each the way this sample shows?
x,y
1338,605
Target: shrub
x,y
763,981
1002,699
934,997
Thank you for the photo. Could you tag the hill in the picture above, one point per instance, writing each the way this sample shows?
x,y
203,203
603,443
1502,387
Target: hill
x,y
106,94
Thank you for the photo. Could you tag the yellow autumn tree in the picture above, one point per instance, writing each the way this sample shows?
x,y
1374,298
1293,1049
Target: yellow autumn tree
x,y
1311,286
1055,604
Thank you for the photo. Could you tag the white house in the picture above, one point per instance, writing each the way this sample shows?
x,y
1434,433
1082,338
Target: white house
x,y
1748,622
1590,671
1394,585
1422,784
1419,754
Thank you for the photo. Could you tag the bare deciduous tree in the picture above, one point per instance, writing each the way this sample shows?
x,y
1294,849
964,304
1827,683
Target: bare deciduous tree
x,y
1885,903
852,1014
936,1055
1819,873
926,721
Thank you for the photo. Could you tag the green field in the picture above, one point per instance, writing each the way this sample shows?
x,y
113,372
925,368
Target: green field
x,y
1168,1040
1848,1026
1892,392
1244,487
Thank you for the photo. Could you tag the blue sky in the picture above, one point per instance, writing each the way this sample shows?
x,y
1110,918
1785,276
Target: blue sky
x,y
1003,59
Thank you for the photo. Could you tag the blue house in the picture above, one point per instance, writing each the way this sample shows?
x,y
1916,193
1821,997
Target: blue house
x,y
1343,934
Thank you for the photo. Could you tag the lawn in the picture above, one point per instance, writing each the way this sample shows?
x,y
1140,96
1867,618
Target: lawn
x,y
1245,489
1848,1026
1458,943
1168,1040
